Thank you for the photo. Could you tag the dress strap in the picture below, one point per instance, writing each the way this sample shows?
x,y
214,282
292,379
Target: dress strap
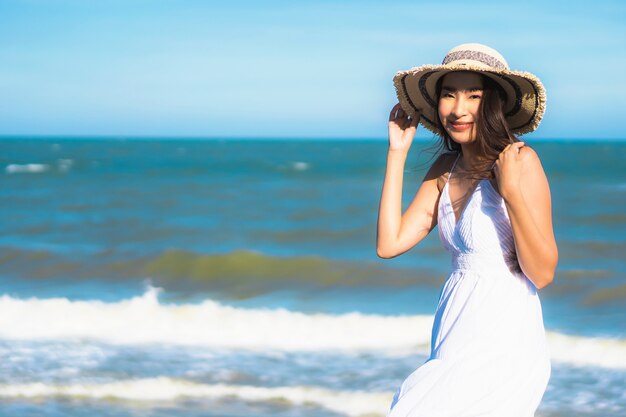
x,y
455,161
453,165
493,166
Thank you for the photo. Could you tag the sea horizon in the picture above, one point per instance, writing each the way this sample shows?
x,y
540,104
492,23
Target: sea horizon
x,y
418,139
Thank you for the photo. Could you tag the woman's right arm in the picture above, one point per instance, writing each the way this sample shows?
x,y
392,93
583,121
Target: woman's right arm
x,y
398,233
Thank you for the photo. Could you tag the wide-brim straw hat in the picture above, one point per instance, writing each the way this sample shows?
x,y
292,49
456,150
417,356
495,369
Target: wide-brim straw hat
x,y
526,96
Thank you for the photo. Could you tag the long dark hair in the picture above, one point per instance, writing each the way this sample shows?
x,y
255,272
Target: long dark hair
x,y
493,133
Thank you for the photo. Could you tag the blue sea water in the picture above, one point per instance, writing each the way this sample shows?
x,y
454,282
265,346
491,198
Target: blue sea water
x,y
239,277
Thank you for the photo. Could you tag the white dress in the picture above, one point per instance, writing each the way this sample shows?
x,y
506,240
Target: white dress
x,y
489,356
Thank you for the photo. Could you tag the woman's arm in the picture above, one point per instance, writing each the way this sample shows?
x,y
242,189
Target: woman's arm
x,y
527,199
397,233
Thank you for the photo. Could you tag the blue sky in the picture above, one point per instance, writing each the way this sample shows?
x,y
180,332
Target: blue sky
x,y
288,69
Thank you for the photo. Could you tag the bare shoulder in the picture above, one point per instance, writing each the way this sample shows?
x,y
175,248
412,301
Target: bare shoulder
x,y
532,168
530,158
534,182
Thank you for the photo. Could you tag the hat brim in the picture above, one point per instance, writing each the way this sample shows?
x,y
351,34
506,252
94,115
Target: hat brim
x,y
526,95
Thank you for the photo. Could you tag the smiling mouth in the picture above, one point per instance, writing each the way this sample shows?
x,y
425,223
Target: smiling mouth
x,y
461,126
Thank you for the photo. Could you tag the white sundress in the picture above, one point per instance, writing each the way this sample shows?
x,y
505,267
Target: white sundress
x,y
489,356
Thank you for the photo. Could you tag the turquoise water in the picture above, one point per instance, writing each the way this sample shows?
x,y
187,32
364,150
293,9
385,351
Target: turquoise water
x,y
232,272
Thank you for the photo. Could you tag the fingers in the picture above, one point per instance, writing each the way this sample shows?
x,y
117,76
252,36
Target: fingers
x,y
513,147
393,114
399,116
397,112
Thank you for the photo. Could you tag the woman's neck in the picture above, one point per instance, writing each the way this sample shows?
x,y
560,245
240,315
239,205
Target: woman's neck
x,y
470,158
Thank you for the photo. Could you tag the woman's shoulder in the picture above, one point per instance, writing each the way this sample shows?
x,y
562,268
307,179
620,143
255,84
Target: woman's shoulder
x,y
530,158
527,151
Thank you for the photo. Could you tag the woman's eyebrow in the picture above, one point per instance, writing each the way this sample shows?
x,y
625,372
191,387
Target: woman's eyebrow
x,y
452,89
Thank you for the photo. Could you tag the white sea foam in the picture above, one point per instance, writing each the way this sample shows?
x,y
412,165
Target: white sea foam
x,y
300,166
26,168
584,351
144,320
352,403
64,165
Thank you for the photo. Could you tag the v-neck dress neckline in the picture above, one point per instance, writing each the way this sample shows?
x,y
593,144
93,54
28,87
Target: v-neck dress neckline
x,y
449,197
467,204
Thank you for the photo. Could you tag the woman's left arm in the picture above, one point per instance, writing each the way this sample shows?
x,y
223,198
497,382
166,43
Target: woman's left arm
x,y
526,193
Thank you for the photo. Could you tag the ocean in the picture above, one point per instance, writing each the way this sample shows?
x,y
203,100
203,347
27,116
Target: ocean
x,y
227,277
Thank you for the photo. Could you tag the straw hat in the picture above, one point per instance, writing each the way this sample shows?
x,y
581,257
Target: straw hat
x,y
526,96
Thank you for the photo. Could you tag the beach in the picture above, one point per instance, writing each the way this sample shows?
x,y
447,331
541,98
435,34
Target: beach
x,y
239,277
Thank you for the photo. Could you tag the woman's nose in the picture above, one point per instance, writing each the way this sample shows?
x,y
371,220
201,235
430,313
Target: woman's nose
x,y
459,108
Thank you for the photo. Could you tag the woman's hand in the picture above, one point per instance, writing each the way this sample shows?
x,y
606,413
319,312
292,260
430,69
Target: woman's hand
x,y
401,129
508,169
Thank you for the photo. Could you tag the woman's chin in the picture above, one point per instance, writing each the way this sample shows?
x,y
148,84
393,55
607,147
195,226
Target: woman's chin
x,y
461,137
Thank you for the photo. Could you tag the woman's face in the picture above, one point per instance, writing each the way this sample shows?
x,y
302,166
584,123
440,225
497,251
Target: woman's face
x,y
461,93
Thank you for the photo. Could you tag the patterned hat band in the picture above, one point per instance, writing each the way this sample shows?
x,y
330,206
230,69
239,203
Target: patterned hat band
x,y
482,57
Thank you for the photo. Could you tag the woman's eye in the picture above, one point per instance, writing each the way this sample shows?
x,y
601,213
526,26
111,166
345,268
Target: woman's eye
x,y
476,96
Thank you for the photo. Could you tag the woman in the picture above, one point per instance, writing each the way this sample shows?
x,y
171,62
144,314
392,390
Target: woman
x,y
490,198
